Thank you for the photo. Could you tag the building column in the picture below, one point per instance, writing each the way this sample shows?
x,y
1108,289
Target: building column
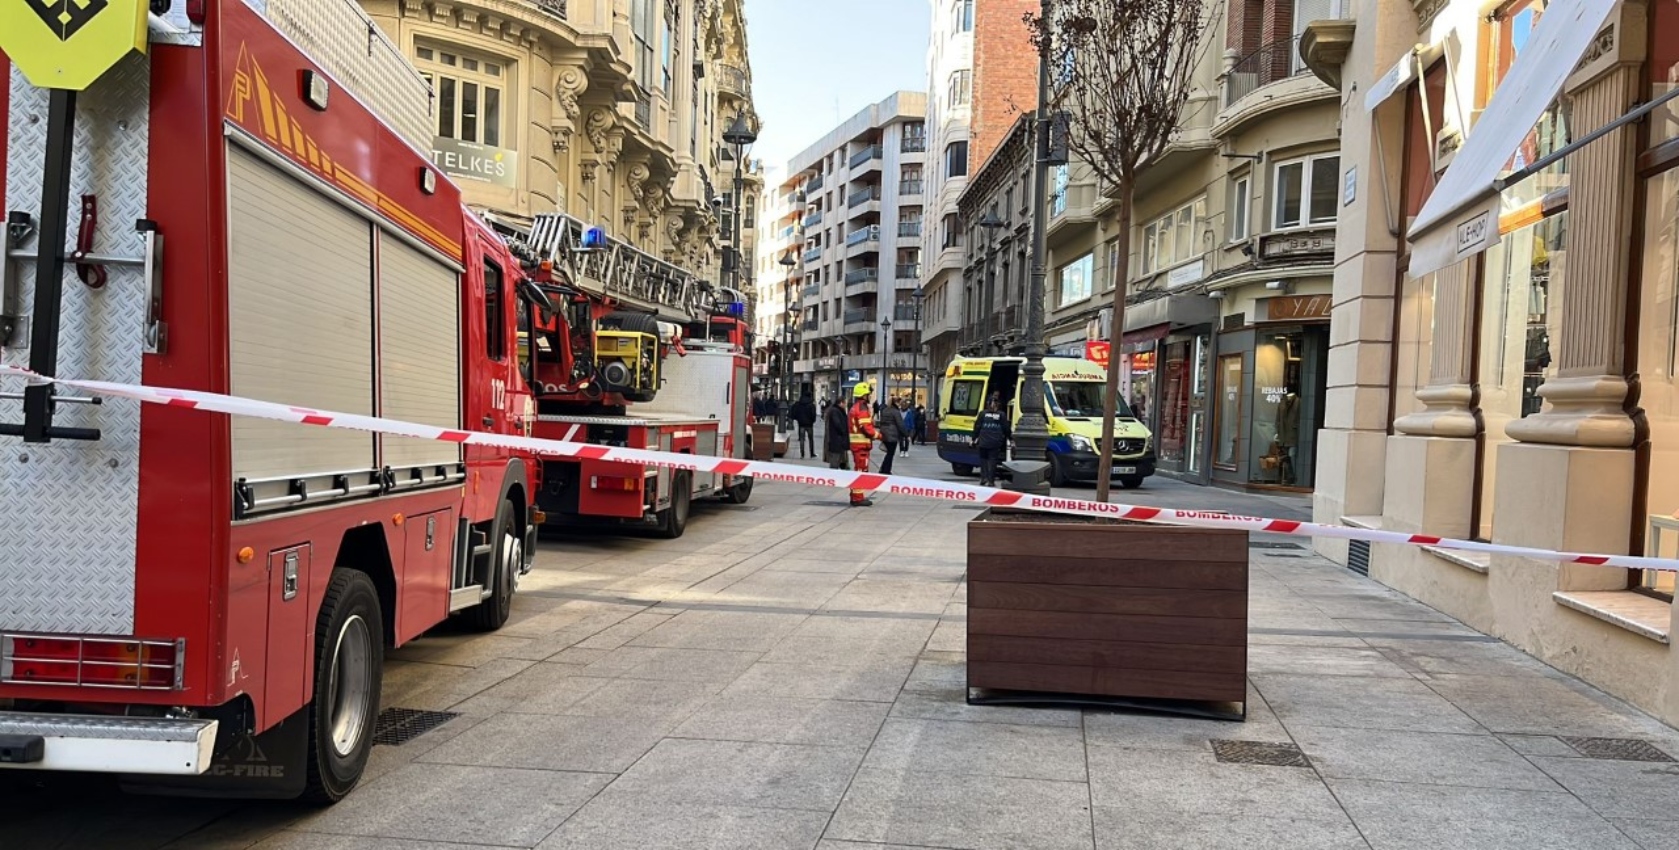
x,y
1568,481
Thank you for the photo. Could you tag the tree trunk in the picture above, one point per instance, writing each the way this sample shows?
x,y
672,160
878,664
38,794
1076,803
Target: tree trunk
x,y
1110,403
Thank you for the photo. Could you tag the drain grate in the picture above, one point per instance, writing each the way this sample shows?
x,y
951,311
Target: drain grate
x,y
1617,749
398,726
1259,752
1261,544
1358,556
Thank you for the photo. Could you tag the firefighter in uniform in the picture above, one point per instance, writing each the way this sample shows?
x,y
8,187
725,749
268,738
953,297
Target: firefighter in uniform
x,y
862,439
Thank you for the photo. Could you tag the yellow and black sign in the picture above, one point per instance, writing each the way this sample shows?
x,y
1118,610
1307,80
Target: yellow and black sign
x,y
67,44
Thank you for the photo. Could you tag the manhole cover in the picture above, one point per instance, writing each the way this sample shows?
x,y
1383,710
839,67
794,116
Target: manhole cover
x,y
1259,752
1260,544
398,726
1617,749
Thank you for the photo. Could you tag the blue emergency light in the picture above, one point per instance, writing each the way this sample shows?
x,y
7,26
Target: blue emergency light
x,y
737,309
594,237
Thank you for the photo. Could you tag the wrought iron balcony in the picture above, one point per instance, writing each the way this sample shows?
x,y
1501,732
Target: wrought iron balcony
x,y
732,81
553,7
1272,63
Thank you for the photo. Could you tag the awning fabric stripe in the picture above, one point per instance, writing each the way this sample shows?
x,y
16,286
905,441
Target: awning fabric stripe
x,y
1460,219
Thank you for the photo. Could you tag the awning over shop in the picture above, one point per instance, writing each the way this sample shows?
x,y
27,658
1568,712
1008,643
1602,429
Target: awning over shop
x,y
1460,218
1393,82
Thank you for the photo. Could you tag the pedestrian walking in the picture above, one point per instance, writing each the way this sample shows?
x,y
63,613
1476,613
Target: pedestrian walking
x,y
991,437
836,436
862,434
921,424
804,414
911,421
892,432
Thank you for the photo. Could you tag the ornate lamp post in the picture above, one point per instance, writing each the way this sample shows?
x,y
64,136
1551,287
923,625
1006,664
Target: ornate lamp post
x,y
1031,435
788,264
915,354
738,136
886,334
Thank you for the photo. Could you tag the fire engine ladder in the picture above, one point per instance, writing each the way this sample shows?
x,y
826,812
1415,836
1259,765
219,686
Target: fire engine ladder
x,y
613,269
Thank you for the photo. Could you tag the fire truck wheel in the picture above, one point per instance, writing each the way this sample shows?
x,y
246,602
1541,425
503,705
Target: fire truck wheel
x,y
509,556
349,661
674,519
739,492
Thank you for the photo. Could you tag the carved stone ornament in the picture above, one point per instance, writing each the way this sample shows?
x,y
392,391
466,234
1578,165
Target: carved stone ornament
x,y
636,181
586,170
570,84
600,121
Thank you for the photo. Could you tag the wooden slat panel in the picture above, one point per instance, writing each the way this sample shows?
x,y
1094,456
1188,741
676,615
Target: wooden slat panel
x,y
1155,543
1110,572
1196,631
1163,602
1108,653
1213,687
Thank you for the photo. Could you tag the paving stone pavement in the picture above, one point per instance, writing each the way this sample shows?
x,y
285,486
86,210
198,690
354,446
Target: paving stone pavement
x,y
790,675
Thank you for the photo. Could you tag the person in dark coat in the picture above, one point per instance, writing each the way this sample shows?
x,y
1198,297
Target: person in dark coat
x,y
836,439
890,423
991,436
912,421
804,415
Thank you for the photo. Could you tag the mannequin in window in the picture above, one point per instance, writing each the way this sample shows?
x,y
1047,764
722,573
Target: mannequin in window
x,y
1288,430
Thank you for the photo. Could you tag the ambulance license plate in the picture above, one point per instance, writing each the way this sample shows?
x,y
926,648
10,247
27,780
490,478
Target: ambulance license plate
x,y
1125,470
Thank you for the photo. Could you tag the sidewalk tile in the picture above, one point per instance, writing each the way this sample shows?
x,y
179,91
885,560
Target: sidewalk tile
x,y
682,665
984,749
543,688
475,805
615,821
316,841
1401,816
785,720
731,630
952,704
1450,657
1361,703
879,682
734,773
967,812
1543,705
1185,783
649,699
1480,761
1130,828
938,672
1322,661
1146,731
550,742
1619,789
1650,834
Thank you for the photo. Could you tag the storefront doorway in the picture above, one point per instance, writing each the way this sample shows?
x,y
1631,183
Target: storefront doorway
x,y
1271,386
1181,423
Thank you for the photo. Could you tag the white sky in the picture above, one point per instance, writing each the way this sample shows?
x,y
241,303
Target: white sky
x,y
816,63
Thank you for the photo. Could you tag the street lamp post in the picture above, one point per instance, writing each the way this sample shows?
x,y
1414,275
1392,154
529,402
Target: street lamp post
x,y
886,335
787,265
915,354
738,136
1031,434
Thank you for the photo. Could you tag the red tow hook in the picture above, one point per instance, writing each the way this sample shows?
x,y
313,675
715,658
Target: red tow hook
x,y
91,274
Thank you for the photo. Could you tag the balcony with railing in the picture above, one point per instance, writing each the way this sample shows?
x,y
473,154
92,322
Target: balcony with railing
x,y
812,291
910,229
644,111
869,154
863,235
859,319
904,313
863,196
809,325
812,255
732,81
909,271
866,274
557,8
813,219
915,144
911,187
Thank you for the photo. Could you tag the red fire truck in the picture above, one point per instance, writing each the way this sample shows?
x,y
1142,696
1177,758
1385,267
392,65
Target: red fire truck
x,y
200,601
643,355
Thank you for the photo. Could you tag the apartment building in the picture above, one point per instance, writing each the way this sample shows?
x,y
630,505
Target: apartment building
x,y
981,75
1224,349
863,198
1502,357
777,274
950,87
612,116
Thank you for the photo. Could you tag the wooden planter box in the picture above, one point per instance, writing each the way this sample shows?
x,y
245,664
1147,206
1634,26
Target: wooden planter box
x,y
1107,608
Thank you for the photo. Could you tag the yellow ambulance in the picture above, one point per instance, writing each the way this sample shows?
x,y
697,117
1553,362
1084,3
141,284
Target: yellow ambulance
x,y
1073,391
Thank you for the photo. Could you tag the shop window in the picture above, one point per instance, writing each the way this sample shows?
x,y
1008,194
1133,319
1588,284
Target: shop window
x,y
1171,239
1073,280
1241,192
1228,448
1286,407
469,93
1306,192
1521,315
1174,405
1658,357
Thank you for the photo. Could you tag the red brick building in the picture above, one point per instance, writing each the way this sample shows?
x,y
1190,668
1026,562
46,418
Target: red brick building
x,y
1005,73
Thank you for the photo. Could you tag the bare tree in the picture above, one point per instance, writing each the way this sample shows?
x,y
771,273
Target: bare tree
x,y
1121,74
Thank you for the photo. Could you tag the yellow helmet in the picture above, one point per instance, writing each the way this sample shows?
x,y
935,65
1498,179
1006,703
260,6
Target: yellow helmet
x,y
861,390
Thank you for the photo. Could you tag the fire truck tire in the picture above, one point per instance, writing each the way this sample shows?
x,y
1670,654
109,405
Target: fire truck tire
x,y
509,556
349,662
738,492
674,519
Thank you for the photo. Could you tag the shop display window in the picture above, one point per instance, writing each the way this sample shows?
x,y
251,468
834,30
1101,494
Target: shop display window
x,y
1228,448
1285,407
1658,362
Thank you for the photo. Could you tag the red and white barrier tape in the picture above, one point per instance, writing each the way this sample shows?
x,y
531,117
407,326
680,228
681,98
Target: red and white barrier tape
x,y
839,479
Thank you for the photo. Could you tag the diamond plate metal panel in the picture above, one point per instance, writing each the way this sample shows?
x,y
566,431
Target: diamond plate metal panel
x,y
67,540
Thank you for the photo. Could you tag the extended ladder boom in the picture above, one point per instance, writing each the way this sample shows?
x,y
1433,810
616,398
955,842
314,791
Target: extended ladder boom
x,y
610,268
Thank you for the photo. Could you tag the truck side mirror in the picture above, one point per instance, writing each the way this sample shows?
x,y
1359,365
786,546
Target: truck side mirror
x,y
534,296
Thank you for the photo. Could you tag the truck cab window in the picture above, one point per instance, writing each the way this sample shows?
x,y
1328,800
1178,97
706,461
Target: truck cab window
x,y
495,328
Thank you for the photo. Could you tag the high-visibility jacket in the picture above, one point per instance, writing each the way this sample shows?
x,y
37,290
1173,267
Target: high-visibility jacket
x,y
862,424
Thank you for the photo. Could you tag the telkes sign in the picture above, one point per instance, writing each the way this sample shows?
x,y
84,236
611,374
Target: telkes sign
x,y
475,162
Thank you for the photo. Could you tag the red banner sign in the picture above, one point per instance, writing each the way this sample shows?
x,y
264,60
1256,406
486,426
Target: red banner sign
x,y
1096,351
